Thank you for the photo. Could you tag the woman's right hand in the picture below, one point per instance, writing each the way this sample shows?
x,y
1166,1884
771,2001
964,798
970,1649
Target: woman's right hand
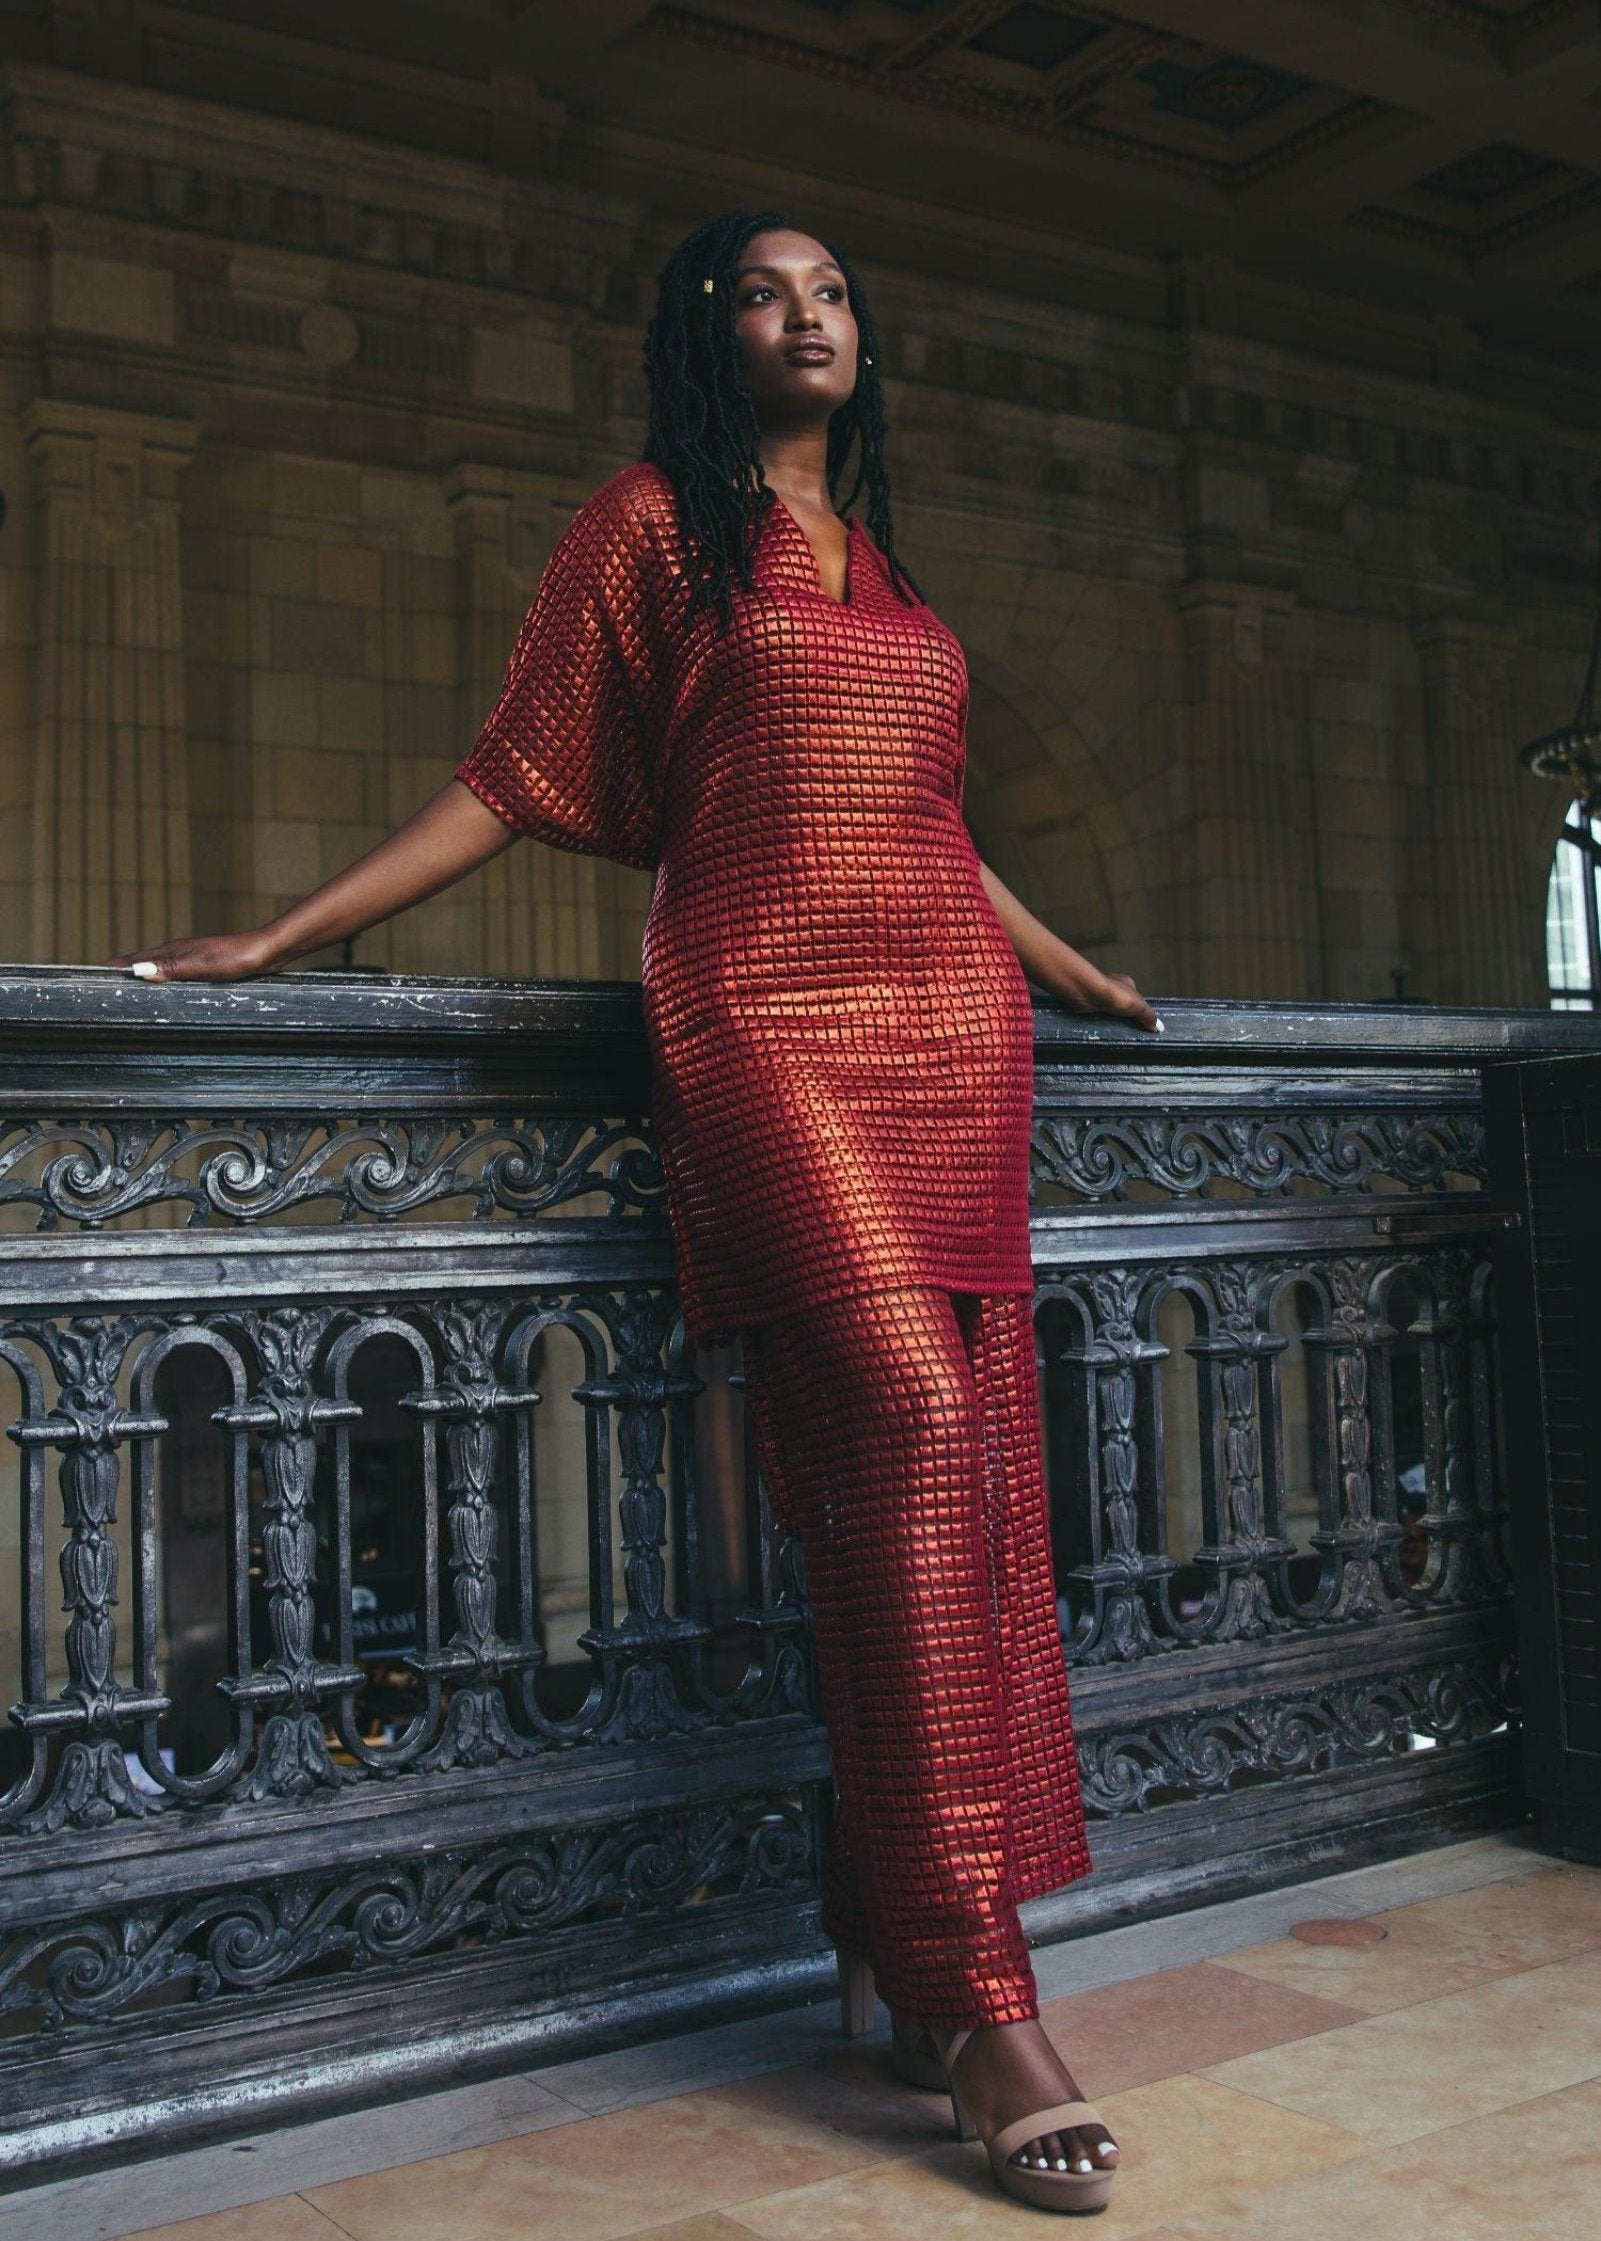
x,y
203,957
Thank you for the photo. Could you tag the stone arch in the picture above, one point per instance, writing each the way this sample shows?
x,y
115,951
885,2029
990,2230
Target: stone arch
x,y
1043,814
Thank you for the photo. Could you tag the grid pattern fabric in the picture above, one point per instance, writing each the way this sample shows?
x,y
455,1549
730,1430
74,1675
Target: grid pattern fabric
x,y
899,1435
841,1034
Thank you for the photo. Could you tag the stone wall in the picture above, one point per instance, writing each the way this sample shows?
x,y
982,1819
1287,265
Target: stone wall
x,y
1256,619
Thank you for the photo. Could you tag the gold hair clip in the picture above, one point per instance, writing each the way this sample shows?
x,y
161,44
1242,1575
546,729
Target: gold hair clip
x,y
708,285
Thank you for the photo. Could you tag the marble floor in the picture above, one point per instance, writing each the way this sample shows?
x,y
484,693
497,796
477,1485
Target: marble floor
x,y
1412,2050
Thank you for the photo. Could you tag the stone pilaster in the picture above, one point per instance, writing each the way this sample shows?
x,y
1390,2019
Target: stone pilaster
x,y
110,802
1248,916
1480,937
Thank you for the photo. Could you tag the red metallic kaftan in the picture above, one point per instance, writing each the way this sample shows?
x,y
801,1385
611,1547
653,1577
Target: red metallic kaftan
x,y
841,1033
841,1043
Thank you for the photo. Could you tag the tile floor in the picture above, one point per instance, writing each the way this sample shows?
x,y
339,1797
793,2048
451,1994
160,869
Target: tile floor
x,y
1429,2069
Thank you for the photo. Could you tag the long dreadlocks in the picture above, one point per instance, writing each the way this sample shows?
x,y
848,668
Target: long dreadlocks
x,y
703,431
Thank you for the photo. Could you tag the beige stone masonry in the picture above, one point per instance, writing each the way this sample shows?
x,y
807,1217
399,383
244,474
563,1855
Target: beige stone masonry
x,y
412,365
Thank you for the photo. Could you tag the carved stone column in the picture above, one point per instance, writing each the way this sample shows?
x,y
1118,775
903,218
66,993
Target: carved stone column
x,y
110,860
1250,925
1478,923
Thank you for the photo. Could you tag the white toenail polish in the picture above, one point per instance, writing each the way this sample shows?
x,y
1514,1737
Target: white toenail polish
x,y
1085,2164
1061,2163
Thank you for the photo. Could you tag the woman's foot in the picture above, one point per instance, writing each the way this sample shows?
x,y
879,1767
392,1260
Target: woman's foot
x,y
1006,2069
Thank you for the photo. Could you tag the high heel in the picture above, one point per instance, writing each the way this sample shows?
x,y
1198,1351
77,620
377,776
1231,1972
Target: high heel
x,y
912,2053
1046,2190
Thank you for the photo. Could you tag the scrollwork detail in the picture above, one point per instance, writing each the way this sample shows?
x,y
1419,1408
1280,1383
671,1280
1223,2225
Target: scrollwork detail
x,y
246,1940
248,1168
1099,1156
1205,1753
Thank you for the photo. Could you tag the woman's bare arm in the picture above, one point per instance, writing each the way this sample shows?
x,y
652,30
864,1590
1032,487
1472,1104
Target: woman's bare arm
x,y
450,835
1060,969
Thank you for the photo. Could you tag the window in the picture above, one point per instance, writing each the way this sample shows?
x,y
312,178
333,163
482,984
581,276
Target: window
x,y
1573,913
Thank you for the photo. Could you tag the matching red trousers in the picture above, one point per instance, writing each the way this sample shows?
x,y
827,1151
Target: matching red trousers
x,y
898,1433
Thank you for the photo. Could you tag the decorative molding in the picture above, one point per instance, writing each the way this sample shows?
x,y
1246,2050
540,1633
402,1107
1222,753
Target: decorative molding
x,y
355,200
1469,246
1099,1157
96,1169
91,1170
249,1939
325,334
1351,1723
1492,15
293,237
907,78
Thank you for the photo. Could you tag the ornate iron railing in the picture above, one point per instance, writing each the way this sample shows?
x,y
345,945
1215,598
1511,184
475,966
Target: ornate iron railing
x,y
431,1687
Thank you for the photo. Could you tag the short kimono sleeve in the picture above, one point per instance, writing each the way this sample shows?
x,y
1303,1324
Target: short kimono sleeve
x,y
568,754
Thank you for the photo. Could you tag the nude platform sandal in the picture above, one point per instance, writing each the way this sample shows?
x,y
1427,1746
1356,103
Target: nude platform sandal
x,y
1046,2190
913,2056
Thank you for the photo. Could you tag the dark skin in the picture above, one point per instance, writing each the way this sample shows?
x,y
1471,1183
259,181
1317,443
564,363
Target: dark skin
x,y
798,342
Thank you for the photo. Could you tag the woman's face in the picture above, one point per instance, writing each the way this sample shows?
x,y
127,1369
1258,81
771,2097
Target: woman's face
x,y
795,329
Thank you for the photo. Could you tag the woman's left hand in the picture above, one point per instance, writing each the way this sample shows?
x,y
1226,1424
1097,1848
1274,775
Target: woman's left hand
x,y
1113,995
1127,1003
1056,965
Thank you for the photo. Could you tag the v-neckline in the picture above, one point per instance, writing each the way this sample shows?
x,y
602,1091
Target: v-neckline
x,y
817,567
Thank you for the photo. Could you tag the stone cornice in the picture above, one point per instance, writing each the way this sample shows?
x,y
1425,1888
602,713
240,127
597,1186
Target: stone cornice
x,y
61,416
38,101
82,120
201,167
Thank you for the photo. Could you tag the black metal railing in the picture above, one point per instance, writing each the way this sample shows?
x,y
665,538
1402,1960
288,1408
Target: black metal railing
x,y
431,1688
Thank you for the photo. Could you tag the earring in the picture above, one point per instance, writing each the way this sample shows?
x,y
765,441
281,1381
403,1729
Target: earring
x,y
867,361
708,285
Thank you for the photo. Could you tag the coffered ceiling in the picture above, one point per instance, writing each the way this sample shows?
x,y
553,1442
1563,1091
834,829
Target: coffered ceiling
x,y
1446,152
1433,156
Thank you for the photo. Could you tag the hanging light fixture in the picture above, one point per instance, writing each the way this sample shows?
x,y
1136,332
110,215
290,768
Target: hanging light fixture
x,y
1572,754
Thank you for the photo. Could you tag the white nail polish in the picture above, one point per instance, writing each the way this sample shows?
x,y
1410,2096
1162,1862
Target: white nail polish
x,y
145,970
1161,1027
1085,2164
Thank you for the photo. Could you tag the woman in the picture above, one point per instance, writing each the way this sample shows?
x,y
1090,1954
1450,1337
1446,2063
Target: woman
x,y
723,679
